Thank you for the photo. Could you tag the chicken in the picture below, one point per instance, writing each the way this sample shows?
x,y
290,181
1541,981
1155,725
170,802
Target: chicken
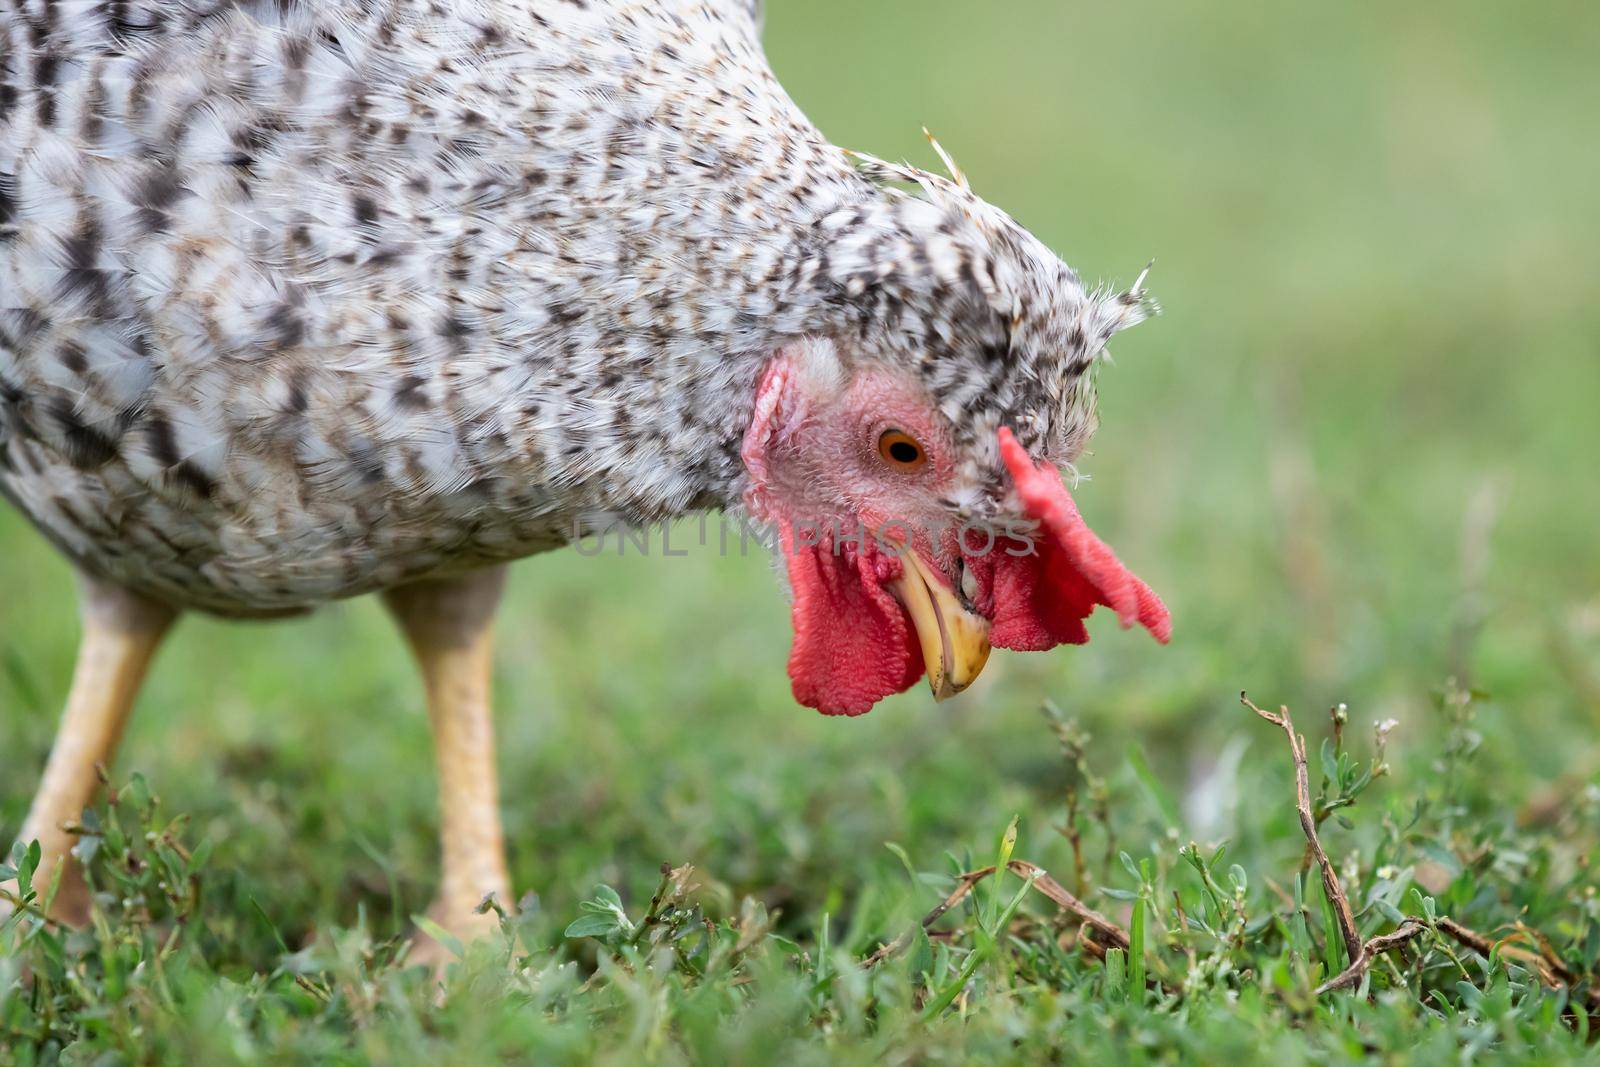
x,y
300,301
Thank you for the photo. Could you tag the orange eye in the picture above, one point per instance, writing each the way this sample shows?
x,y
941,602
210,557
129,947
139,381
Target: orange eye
x,y
900,449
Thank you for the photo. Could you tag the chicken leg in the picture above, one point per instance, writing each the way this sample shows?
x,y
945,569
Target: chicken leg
x,y
121,632
448,624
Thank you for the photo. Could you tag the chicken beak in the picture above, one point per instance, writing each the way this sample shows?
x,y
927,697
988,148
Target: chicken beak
x,y
955,641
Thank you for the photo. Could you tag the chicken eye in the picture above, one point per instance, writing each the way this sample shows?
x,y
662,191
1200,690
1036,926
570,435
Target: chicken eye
x,y
900,449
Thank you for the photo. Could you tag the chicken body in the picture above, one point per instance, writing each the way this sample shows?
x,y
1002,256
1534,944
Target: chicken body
x,y
305,300
300,301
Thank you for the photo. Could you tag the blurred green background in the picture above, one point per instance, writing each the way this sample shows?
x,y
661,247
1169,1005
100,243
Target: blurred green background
x,y
1356,455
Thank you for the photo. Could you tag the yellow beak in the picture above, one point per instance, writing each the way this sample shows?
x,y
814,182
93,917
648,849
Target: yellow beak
x,y
955,641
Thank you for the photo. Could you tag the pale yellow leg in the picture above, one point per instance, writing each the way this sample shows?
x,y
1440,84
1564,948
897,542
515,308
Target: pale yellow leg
x,y
121,632
448,624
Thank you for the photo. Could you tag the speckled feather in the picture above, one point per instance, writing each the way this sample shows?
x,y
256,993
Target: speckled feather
x,y
298,301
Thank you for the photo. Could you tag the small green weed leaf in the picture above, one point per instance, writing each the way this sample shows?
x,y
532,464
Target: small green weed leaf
x,y
592,926
920,961
450,941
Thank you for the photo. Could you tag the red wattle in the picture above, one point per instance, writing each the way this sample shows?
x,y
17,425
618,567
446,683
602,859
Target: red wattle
x,y
853,644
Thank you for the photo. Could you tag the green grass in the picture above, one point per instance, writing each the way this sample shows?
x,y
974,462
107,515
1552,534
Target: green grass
x,y
1356,454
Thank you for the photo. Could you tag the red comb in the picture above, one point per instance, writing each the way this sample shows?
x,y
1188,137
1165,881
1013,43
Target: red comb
x,y
1040,599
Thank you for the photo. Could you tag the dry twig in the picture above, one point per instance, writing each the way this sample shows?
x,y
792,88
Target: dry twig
x,y
1354,950
1107,933
1407,931
1551,969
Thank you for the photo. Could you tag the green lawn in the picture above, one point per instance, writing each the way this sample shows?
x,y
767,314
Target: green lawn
x,y
1356,455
